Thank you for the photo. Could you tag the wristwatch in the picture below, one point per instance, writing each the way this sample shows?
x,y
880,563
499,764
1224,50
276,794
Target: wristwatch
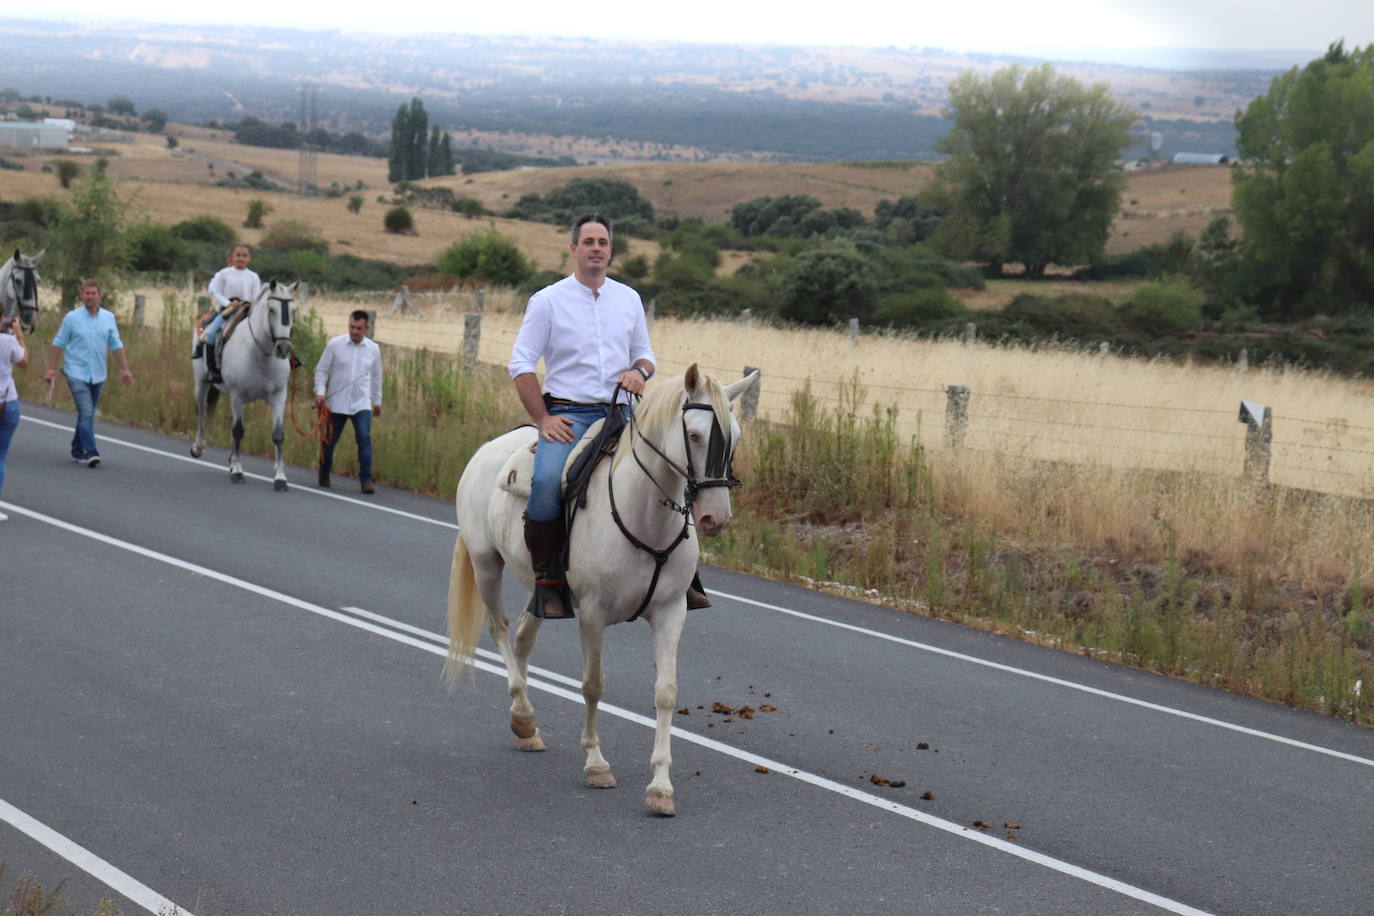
x,y
644,372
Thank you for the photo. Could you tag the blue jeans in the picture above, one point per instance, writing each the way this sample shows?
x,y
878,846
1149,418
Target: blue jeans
x,y
212,329
85,395
362,434
546,487
8,424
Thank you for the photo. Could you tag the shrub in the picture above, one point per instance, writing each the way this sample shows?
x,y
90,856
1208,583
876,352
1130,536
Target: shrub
x,y
67,171
487,256
154,246
919,307
257,209
293,235
206,229
355,203
1169,306
398,220
635,268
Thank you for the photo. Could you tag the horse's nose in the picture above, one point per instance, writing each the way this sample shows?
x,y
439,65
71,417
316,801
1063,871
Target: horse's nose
x,y
711,524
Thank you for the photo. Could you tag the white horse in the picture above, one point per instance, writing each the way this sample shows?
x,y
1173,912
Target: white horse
x,y
633,551
256,366
19,288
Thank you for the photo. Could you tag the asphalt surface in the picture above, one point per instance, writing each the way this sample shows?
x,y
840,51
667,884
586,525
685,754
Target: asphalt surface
x,y
192,690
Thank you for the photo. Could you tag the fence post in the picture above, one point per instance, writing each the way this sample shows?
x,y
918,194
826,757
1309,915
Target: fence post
x,y
1259,433
140,302
1243,362
472,336
749,401
746,315
649,313
1104,349
303,294
190,283
853,332
481,301
371,323
956,415
970,335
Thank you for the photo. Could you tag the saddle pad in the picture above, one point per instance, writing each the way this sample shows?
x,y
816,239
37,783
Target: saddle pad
x,y
518,470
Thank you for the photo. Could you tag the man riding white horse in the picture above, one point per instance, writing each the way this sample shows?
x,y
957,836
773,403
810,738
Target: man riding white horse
x,y
591,333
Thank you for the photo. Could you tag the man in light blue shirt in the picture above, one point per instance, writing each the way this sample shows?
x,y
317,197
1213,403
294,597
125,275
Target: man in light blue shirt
x,y
87,332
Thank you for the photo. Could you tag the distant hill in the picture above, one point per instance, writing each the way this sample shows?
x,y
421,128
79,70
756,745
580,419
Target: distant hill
x,y
619,101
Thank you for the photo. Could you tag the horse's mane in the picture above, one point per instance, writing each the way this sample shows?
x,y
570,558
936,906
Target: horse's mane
x,y
661,409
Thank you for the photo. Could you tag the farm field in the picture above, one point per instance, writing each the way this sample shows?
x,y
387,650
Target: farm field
x,y
1156,203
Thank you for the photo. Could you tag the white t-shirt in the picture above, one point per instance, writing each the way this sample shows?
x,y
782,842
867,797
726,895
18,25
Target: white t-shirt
x,y
234,283
10,353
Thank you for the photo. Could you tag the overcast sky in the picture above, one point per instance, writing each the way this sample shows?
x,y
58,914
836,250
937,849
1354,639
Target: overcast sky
x,y
1001,25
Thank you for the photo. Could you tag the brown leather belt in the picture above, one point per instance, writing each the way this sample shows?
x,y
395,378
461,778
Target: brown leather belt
x,y
550,399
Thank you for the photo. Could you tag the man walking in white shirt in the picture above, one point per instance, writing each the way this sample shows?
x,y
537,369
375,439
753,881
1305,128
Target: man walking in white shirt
x,y
349,378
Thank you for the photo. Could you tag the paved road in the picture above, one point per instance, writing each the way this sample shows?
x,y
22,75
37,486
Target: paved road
x,y
230,698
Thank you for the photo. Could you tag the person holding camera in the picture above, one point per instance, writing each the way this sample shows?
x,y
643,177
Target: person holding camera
x,y
12,354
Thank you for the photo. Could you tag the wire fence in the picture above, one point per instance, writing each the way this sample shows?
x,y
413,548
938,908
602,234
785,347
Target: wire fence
x,y
1000,412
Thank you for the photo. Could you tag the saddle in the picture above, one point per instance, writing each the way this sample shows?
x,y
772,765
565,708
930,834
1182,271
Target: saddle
x,y
517,473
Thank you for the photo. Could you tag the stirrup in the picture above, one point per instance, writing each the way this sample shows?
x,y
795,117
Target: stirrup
x,y
544,589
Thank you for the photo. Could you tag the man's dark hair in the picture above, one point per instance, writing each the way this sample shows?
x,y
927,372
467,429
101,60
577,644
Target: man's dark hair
x,y
591,218
359,315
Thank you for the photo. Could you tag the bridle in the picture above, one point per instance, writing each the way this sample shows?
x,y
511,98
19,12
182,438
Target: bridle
x,y
285,322
23,287
720,474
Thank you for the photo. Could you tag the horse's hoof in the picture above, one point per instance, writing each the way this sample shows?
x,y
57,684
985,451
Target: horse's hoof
x,y
236,477
660,802
526,734
600,778
196,451
279,486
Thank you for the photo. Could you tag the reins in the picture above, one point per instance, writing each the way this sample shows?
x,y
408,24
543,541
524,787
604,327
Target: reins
x,y
692,488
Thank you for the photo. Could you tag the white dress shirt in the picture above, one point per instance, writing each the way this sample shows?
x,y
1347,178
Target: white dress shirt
x,y
350,375
586,340
234,283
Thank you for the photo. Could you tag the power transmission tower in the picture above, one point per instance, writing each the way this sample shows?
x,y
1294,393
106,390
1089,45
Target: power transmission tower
x,y
309,121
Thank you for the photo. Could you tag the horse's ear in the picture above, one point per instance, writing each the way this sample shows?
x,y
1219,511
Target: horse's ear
x,y
690,380
735,389
35,258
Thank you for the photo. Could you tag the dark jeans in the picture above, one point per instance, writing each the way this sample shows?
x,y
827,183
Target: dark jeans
x,y
86,395
362,434
8,424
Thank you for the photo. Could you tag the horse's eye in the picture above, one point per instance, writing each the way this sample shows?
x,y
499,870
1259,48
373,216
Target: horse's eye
x,y
695,437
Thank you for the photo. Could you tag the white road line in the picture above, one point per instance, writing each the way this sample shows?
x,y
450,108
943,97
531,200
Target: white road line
x,y
202,463
436,645
812,618
1060,682
88,861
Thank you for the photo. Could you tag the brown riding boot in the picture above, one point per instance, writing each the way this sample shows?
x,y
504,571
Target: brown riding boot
x,y
551,599
696,594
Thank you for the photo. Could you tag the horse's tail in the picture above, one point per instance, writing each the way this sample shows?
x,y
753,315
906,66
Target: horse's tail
x,y
465,612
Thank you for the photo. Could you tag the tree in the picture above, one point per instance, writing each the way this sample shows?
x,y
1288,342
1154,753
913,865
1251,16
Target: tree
x,y
1034,172
355,203
156,119
1304,192
121,105
398,160
829,284
419,149
88,239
